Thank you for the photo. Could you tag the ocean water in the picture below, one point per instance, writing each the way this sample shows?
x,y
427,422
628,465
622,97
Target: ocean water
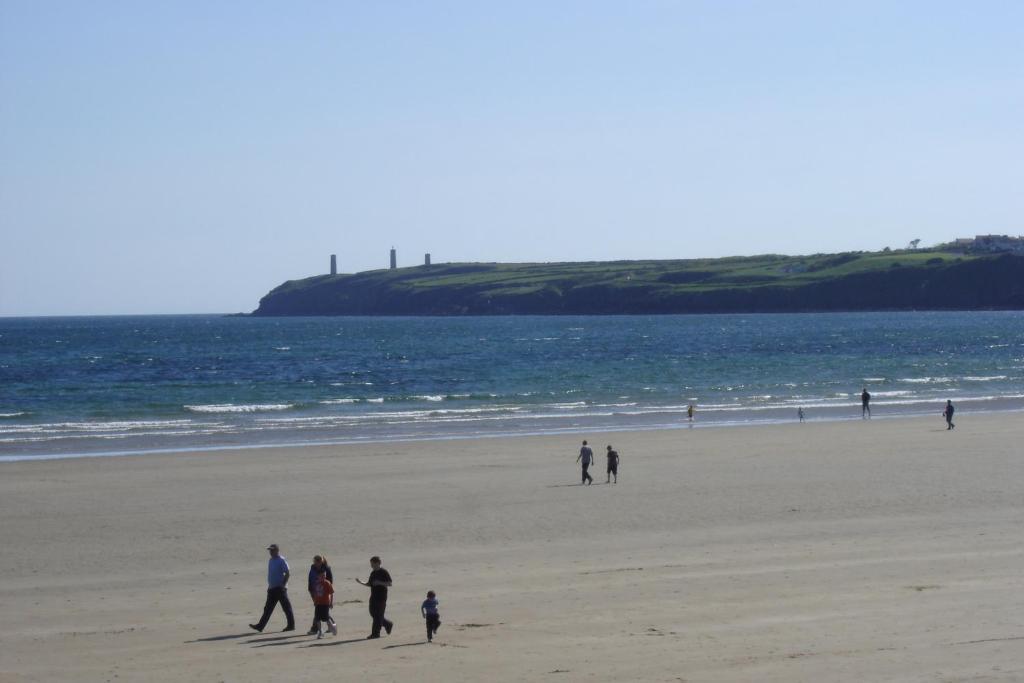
x,y
101,385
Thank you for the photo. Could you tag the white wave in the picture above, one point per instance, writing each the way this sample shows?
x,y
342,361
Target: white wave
x,y
19,414
991,378
114,425
282,348
336,401
236,408
433,397
879,394
875,379
375,400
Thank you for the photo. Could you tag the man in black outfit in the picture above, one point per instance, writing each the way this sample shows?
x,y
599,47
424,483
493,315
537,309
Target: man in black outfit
x,y
948,414
586,456
378,583
865,404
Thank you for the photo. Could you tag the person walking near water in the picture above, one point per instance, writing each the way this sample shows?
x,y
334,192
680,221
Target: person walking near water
x,y
379,582
585,457
800,413
613,465
277,580
865,404
947,413
689,413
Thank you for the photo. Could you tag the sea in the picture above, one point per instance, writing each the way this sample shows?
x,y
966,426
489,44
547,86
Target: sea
x,y
89,386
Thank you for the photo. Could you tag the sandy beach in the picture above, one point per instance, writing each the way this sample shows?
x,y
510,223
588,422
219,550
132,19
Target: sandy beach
x,y
845,551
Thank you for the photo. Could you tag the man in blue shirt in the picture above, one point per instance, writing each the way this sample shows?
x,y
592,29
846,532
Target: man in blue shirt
x,y
277,580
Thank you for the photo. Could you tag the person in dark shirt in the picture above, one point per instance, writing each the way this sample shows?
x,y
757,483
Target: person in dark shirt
x,y
586,457
613,465
378,583
865,404
314,576
948,414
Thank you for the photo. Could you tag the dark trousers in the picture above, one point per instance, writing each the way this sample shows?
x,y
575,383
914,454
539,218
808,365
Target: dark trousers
x,y
586,475
274,596
317,620
322,613
433,621
377,612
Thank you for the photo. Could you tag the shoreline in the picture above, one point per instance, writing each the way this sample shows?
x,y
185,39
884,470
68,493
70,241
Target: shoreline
x,y
557,431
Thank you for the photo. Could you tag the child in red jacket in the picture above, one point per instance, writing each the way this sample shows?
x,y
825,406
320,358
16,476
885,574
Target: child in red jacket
x,y
323,600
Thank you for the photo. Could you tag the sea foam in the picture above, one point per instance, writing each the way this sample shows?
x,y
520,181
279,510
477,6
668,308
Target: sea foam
x,y
244,408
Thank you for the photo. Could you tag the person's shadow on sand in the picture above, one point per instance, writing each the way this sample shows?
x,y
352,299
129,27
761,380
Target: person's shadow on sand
x,y
276,640
336,642
392,647
563,486
216,638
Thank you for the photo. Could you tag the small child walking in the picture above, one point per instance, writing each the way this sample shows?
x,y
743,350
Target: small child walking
x,y
429,611
323,600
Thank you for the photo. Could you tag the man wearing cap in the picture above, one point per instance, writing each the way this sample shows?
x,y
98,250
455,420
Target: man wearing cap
x,y
277,579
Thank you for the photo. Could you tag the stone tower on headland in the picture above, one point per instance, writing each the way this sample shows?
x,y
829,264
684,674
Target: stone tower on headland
x,y
334,264
394,259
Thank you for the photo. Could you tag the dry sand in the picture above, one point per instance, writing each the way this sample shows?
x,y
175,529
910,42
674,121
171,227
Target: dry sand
x,y
888,550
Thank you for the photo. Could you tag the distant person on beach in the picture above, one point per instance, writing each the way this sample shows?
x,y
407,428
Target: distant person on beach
x,y
585,457
319,562
689,412
947,413
613,465
865,404
277,580
379,582
323,601
429,611
800,414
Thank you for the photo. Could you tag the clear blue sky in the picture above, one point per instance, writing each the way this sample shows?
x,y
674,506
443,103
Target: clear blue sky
x,y
163,157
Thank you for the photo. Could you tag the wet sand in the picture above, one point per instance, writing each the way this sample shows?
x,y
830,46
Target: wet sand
x,y
851,551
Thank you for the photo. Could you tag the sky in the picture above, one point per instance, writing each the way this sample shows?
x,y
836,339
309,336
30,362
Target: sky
x,y
187,157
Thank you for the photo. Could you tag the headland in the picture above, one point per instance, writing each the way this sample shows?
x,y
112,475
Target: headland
x,y
854,281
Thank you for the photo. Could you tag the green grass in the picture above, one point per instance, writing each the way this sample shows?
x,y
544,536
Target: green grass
x,y
693,275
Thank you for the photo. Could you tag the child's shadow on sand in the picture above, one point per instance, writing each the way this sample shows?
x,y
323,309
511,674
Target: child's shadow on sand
x,y
336,642
392,647
215,638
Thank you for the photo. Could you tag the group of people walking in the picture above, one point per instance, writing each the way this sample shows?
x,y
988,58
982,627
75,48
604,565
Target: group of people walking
x,y
321,590
586,458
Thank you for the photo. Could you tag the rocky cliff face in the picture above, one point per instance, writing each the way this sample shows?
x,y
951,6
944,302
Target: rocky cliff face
x,y
859,282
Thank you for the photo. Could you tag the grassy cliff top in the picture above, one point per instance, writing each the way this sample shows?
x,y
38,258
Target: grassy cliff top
x,y
689,274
